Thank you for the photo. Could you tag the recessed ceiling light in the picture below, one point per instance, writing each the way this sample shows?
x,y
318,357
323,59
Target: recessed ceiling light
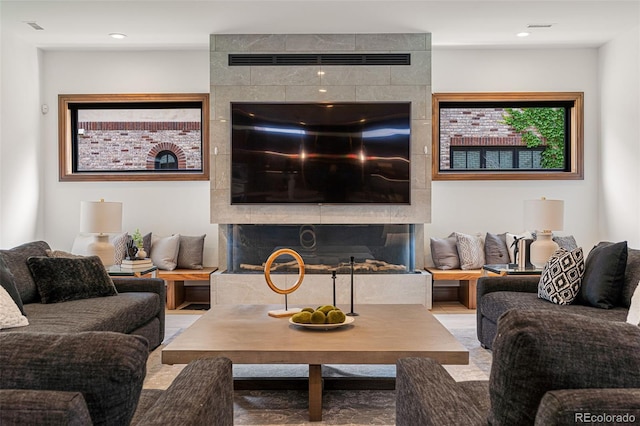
x,y
523,34
119,36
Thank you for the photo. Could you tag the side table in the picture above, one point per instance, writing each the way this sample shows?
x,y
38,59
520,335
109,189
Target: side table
x,y
510,269
118,271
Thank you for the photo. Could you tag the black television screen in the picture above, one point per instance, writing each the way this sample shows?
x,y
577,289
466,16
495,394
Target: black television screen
x,y
317,153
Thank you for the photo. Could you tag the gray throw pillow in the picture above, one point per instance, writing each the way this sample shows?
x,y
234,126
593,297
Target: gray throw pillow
x,y
495,249
164,252
561,277
444,253
567,242
604,273
16,261
61,279
190,252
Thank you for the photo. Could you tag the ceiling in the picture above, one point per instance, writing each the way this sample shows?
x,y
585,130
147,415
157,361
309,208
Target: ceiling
x,y
186,24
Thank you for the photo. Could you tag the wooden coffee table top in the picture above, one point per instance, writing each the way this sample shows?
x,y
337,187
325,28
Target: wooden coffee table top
x,y
379,335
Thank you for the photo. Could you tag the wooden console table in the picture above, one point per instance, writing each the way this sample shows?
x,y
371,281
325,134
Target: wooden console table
x,y
175,283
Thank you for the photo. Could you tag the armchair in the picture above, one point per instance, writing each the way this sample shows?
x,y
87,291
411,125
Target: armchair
x,y
548,368
51,379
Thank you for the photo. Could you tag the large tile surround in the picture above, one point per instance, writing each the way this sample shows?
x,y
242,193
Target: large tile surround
x,y
302,84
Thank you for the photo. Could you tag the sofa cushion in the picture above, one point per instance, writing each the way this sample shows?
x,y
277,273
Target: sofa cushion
x,y
107,368
493,305
16,261
190,252
631,276
444,253
9,284
470,250
123,313
604,275
561,276
567,242
164,251
39,407
62,279
495,249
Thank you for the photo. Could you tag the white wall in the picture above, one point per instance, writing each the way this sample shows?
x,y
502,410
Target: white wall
x,y
20,171
497,206
163,208
620,142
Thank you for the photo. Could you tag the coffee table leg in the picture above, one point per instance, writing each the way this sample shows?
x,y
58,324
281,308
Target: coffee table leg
x,y
315,392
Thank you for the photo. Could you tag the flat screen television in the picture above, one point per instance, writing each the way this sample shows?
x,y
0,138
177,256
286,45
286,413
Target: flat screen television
x,y
320,153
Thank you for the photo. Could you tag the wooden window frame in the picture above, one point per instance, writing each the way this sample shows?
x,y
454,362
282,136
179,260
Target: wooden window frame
x,y
65,140
576,144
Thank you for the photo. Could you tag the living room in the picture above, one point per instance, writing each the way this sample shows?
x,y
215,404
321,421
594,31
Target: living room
x,y
35,205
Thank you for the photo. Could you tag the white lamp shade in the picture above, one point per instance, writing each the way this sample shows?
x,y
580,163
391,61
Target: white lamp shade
x,y
100,217
544,215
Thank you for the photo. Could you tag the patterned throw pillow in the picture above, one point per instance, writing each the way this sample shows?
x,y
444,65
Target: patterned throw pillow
x,y
470,251
561,276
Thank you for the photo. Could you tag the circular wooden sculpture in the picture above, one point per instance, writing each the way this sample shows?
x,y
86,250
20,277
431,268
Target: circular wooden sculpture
x,y
267,270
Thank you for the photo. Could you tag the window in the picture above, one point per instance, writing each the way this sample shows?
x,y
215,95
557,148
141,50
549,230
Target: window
x,y
166,160
133,137
491,136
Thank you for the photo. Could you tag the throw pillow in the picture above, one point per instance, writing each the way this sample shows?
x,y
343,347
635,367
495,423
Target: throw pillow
x,y
471,251
164,251
146,243
561,277
633,317
190,252
60,253
604,275
567,242
7,281
16,261
444,253
631,276
495,249
10,315
511,246
63,279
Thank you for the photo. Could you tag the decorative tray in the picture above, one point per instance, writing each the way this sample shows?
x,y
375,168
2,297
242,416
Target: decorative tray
x,y
347,321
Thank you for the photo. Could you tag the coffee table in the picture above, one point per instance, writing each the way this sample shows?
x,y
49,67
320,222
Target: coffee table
x,y
381,334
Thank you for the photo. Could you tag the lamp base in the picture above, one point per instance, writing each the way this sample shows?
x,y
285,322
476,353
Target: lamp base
x,y
542,249
103,248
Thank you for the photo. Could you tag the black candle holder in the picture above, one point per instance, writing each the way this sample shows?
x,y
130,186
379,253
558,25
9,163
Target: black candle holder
x,y
351,313
333,277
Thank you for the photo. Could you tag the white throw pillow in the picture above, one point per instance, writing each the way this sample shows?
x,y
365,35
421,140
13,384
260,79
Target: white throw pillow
x,y
164,251
633,317
512,247
10,315
470,250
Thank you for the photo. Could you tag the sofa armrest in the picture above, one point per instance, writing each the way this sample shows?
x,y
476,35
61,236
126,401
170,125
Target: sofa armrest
x,y
145,285
202,394
571,406
427,395
557,350
526,284
107,368
39,407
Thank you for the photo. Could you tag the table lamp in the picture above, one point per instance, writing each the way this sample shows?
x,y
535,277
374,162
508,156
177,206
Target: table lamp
x,y
543,216
101,218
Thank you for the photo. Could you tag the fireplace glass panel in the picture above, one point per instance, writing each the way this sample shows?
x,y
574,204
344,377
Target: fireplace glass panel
x,y
324,248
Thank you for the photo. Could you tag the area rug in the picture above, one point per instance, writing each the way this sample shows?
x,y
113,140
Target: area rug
x,y
340,407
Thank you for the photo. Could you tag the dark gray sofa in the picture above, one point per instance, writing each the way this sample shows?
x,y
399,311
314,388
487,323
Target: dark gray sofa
x,y
497,295
137,309
549,368
96,378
